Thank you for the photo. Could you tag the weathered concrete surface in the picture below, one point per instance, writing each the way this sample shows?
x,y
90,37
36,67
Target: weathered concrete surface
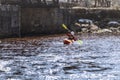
x,y
41,20
15,20
9,20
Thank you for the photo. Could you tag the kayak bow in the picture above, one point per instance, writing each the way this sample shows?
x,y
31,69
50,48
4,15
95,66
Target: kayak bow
x,y
67,41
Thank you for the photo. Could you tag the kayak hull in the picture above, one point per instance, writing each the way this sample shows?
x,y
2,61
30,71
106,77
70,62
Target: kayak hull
x,y
67,41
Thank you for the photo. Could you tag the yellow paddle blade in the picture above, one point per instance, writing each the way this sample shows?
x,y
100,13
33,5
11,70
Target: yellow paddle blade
x,y
80,41
64,26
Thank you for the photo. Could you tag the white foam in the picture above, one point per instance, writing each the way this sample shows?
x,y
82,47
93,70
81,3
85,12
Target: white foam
x,y
3,66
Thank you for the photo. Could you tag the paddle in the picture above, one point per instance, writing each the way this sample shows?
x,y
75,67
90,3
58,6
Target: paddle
x,y
65,27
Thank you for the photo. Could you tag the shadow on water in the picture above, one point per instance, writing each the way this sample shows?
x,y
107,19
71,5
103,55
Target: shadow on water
x,y
48,58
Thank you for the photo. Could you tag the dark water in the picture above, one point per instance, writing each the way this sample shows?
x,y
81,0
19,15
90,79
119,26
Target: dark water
x,y
48,58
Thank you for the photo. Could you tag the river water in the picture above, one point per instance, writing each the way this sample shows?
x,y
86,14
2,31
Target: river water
x,y
47,58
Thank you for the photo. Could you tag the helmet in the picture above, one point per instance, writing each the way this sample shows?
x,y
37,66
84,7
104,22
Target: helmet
x,y
72,33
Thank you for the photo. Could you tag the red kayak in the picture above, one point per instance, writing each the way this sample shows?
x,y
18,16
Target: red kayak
x,y
67,41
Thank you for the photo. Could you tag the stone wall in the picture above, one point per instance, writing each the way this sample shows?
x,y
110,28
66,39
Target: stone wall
x,y
96,14
102,16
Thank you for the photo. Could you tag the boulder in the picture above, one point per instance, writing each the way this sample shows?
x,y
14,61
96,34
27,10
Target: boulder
x,y
94,27
103,31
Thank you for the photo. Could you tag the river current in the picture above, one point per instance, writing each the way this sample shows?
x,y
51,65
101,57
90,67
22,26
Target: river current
x,y
47,58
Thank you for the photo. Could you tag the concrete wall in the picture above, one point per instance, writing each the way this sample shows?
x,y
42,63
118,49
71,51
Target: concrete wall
x,y
17,21
9,20
41,20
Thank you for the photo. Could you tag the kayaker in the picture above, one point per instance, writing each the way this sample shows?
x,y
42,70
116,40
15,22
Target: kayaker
x,y
71,36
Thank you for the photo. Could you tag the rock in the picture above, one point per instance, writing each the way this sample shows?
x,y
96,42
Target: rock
x,y
103,31
113,29
84,30
77,24
94,27
118,30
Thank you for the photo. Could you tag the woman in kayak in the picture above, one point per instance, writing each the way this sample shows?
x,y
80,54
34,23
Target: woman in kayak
x,y
71,36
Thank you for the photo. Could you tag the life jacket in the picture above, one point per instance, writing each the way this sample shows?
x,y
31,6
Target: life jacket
x,y
71,37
